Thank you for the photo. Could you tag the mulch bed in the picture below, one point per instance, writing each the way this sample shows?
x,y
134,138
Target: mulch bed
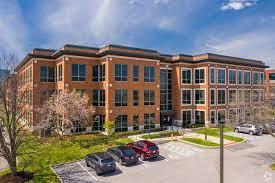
x,y
22,176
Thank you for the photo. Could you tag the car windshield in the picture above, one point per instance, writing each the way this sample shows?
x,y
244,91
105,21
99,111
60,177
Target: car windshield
x,y
152,148
127,152
110,160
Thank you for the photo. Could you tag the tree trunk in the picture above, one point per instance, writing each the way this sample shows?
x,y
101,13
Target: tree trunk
x,y
13,167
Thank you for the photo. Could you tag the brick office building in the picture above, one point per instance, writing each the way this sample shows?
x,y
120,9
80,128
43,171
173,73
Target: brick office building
x,y
141,88
270,85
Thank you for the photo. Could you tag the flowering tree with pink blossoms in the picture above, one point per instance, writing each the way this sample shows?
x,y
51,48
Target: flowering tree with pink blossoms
x,y
68,107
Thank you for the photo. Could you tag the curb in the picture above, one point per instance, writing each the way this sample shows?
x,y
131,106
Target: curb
x,y
213,147
209,147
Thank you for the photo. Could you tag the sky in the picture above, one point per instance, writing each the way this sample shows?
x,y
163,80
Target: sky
x,y
241,28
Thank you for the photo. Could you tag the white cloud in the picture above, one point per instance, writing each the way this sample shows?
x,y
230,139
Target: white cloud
x,y
258,44
100,22
13,32
238,4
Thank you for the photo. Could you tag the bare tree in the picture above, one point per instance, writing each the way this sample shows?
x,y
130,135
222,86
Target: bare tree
x,y
64,109
13,107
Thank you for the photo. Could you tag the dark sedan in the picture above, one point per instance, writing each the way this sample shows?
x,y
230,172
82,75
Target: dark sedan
x,y
123,155
101,162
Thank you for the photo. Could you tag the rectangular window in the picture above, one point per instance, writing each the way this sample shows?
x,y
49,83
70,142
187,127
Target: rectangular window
x,y
186,97
199,117
221,96
149,97
212,75
221,116
98,122
212,117
247,77
256,78
186,118
47,74
255,96
232,77
262,78
247,96
121,123
149,121
98,97
240,77
136,122
199,76
135,98
149,74
199,96
262,97
232,115
135,73
121,97
272,76
166,89
186,76
232,97
98,73
212,97
60,72
78,72
121,72
221,76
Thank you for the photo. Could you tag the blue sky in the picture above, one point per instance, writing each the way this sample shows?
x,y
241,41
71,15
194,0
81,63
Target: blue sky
x,y
243,28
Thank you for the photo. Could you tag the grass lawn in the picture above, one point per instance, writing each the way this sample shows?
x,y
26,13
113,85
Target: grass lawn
x,y
215,132
160,135
273,167
45,152
201,142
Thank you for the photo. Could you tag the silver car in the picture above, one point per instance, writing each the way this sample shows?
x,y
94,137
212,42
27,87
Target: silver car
x,y
248,128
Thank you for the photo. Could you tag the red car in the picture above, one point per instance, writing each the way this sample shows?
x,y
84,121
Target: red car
x,y
145,149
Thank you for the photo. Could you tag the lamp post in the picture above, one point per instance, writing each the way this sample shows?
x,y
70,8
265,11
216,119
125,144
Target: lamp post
x,y
221,154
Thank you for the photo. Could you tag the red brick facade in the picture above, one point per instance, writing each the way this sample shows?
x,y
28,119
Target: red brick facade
x,y
111,55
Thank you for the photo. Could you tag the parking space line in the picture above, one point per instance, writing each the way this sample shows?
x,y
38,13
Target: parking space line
x,y
87,171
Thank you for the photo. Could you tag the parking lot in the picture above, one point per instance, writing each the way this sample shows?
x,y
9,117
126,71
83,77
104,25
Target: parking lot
x,y
180,162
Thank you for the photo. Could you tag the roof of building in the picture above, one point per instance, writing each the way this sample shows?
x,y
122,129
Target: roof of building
x,y
86,51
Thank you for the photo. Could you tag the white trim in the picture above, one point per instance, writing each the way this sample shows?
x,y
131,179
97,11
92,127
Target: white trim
x,y
191,77
194,95
218,115
252,78
167,68
221,89
225,75
194,75
215,76
238,77
228,77
215,116
215,96
133,58
236,100
245,71
192,120
200,110
188,89
261,78
252,95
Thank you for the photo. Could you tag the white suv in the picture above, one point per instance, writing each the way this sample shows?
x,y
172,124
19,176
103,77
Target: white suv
x,y
248,128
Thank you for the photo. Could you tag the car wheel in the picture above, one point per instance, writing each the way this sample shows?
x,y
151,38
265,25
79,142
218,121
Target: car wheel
x,y
120,161
87,164
251,133
237,130
97,171
142,156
